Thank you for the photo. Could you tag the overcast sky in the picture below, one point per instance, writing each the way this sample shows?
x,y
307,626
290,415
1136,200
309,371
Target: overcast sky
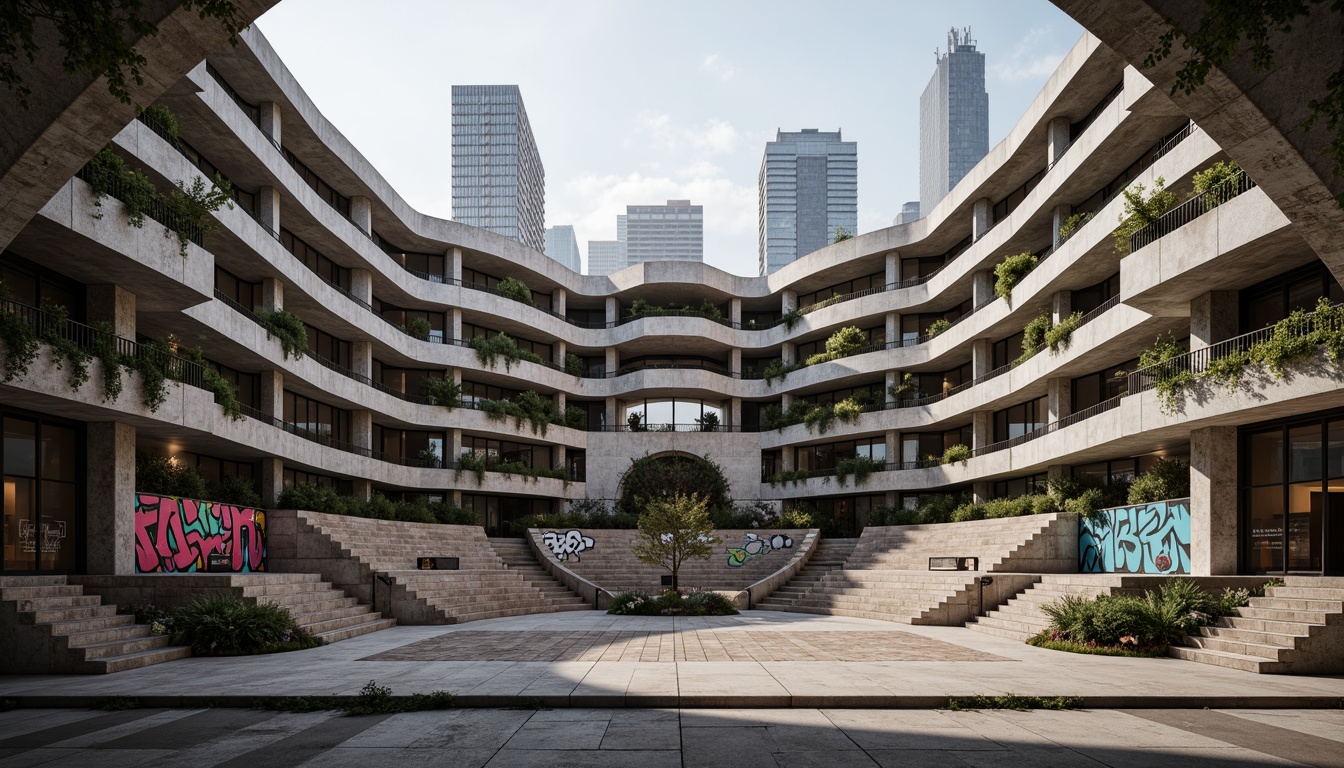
x,y
637,102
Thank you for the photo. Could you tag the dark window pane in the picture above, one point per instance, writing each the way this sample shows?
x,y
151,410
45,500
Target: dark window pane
x,y
1265,456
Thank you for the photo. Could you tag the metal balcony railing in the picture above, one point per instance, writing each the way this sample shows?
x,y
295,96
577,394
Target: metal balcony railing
x,y
1190,210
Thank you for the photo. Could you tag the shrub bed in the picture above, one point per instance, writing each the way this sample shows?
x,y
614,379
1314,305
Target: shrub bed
x,y
230,626
671,603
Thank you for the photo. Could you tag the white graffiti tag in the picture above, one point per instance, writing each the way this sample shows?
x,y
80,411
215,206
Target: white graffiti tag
x,y
562,545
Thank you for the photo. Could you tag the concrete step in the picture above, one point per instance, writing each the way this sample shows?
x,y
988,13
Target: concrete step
x,y
51,615
31,581
1266,625
1277,614
136,659
1232,634
87,637
45,590
1298,604
95,651
502,613
989,627
56,601
1331,582
356,630
72,626
1240,648
1314,593
1223,659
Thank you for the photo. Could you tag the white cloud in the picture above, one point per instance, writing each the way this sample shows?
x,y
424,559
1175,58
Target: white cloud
x,y
652,130
715,65
1027,61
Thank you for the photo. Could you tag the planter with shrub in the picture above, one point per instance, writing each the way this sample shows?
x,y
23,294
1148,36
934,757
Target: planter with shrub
x,y
671,603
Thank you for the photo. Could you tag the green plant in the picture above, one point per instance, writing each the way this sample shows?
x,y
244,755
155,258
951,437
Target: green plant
x,y
374,699
1009,273
903,389
708,422
937,327
1168,479
573,364
1046,639
288,328
1215,183
54,321
842,234
538,410
1171,380
106,171
848,410
797,517
635,421
164,117
513,288
225,391
104,348
1176,609
575,417
473,463
164,476
1012,702
314,498
1034,336
791,318
649,478
674,529
1141,210
417,328
491,348
153,360
228,625
237,490
1057,337
710,310
818,416
19,337
190,205
955,453
1072,224
859,467
777,370
445,391
792,476
842,343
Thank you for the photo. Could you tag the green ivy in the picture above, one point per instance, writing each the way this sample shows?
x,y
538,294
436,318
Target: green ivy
x,y
1009,273
153,361
790,476
1072,224
445,391
492,348
1057,338
105,349
473,463
859,467
902,389
777,370
107,171
1034,336
225,391
538,410
417,328
955,453
937,327
842,343
1141,210
288,328
55,318
164,117
573,364
513,288
1215,183
19,337
575,417
791,318
190,205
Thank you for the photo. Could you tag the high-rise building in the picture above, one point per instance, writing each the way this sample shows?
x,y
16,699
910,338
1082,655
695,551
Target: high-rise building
x,y
953,119
672,232
808,192
563,245
909,212
605,256
498,181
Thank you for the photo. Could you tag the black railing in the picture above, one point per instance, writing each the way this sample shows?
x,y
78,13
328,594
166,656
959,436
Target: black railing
x,y
1050,428
155,209
1181,135
692,427
1190,210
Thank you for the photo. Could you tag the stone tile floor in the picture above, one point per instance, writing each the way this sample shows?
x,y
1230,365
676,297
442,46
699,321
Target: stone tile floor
x,y
671,738
682,644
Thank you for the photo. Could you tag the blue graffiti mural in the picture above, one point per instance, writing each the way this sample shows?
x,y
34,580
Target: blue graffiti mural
x,y
1147,538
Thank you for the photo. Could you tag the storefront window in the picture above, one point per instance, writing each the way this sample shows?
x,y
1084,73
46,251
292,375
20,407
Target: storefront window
x,y
41,495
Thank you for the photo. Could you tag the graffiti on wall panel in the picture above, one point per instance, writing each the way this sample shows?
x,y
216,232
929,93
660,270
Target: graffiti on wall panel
x,y
571,542
175,535
755,546
1146,538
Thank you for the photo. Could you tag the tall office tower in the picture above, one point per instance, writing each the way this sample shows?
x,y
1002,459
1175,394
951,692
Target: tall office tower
x,y
498,181
563,246
953,119
809,188
909,212
605,256
672,232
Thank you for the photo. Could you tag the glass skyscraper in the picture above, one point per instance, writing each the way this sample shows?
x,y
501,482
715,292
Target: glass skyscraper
x,y
809,189
563,245
605,256
672,232
498,181
953,119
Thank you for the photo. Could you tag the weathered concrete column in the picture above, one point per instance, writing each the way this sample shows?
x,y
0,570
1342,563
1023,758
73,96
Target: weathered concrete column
x,y
1059,401
561,402
788,300
1214,316
273,394
1056,139
270,120
735,360
982,429
611,413
892,379
268,208
361,285
893,275
561,349
113,304
454,447
559,300
613,310
453,265
1058,215
271,480
735,311
786,400
455,317
735,413
272,294
559,455
982,288
1213,501
613,360
893,439
361,213
893,329
980,217
788,352
787,458
110,518
982,357
456,373
361,429
1061,306
361,488
361,358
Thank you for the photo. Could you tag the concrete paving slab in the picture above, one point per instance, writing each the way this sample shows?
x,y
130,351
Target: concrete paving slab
x,y
528,758
1324,724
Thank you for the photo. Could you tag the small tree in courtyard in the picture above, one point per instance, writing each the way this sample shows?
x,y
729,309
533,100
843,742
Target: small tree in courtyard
x,y
674,529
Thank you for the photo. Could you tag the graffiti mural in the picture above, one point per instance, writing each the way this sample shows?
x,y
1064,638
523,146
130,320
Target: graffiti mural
x,y
175,535
1147,538
571,542
755,546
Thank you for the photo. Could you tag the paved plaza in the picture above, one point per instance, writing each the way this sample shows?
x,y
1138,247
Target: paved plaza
x,y
668,738
774,660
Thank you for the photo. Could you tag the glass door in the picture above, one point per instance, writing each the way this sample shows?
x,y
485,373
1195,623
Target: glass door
x,y
41,490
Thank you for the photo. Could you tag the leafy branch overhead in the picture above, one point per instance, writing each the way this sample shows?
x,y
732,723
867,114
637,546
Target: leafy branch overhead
x,y
93,37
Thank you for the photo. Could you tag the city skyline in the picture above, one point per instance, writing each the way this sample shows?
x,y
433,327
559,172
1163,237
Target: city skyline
x,y
808,194
499,183
691,125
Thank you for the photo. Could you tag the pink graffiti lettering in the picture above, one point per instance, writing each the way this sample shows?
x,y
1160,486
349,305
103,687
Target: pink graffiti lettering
x,y
178,535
